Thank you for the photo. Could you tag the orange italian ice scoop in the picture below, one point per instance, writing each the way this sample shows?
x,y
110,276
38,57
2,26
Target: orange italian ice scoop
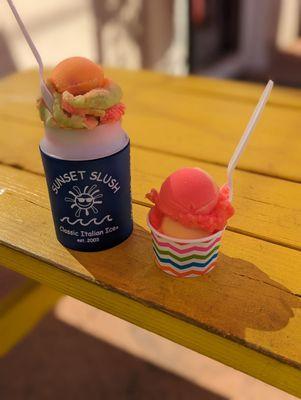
x,y
190,205
77,75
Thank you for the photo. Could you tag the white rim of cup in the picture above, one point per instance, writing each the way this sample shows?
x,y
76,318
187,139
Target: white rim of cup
x,y
184,241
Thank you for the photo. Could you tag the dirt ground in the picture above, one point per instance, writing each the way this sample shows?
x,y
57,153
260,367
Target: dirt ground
x,y
60,362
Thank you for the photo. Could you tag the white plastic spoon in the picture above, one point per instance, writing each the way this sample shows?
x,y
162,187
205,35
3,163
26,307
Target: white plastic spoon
x,y
247,133
46,94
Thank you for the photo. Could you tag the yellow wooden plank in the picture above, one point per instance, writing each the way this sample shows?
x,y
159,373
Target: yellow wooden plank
x,y
266,208
195,84
170,114
22,310
252,297
270,370
209,86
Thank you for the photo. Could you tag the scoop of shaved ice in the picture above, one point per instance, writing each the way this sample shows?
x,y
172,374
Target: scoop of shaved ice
x,y
80,110
60,119
96,99
113,114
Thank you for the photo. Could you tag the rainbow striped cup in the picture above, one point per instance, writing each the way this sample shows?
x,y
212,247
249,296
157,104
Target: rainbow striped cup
x,y
185,258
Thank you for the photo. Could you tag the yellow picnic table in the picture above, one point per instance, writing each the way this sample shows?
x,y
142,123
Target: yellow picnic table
x,y
247,312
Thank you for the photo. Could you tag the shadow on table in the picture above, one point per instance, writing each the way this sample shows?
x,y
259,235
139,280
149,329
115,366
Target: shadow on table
x,y
57,361
250,298
236,295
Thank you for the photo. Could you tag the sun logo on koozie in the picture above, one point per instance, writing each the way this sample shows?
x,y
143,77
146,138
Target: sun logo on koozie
x,y
84,201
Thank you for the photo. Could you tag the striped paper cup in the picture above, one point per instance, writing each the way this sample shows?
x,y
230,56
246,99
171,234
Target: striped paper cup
x,y
185,258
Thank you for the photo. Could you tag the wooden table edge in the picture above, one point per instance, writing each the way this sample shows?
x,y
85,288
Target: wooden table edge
x,y
259,365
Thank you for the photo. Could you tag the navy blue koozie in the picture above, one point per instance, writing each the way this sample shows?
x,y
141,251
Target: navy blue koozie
x,y
90,200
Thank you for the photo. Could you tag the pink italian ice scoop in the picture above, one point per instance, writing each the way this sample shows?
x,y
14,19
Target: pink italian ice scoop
x,y
190,205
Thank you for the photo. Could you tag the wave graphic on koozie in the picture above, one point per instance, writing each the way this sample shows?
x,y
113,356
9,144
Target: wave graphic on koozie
x,y
82,223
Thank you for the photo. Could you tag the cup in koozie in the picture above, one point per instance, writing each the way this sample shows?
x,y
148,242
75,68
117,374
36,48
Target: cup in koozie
x,y
88,179
185,258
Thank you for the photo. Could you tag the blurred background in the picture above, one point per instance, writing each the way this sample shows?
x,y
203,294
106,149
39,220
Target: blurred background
x,y
78,352
239,39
